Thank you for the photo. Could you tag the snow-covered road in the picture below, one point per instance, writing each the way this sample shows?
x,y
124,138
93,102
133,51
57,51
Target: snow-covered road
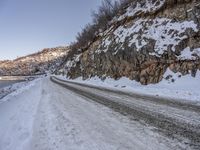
x,y
47,116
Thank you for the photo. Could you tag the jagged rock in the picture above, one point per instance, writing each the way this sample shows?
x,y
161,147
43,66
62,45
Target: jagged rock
x,y
141,44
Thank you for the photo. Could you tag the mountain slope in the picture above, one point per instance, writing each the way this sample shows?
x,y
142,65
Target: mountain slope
x,y
46,60
142,41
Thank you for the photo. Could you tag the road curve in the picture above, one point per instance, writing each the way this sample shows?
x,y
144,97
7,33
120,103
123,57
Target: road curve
x,y
173,118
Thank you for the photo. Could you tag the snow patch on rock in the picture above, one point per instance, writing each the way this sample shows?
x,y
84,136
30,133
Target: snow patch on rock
x,y
188,54
164,31
139,8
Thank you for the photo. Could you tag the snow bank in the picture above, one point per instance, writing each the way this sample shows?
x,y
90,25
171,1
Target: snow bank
x,y
173,85
17,115
15,89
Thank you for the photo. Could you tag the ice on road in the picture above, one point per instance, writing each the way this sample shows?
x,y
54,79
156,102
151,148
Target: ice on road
x,y
47,116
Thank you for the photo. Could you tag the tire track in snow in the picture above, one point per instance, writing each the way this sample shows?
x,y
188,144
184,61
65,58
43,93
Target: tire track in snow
x,y
169,126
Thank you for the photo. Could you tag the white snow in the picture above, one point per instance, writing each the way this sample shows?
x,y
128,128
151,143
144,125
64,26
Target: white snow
x,y
185,88
163,30
72,63
148,6
187,54
48,116
15,89
167,33
11,88
17,116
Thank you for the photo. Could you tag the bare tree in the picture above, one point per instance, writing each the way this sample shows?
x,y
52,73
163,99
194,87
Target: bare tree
x,y
101,19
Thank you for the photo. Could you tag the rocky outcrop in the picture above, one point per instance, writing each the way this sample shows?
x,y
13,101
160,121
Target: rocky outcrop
x,y
44,61
142,42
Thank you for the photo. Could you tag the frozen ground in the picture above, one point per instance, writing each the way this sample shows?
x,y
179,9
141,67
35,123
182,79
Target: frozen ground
x,y
47,116
176,86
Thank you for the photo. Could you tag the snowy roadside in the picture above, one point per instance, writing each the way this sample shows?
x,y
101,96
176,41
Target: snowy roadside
x,y
15,89
173,86
17,115
48,116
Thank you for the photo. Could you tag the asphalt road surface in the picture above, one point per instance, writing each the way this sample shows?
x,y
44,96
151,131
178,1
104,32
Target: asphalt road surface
x,y
59,115
175,119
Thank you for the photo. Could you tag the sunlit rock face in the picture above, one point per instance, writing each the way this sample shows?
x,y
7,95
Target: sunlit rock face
x,y
142,42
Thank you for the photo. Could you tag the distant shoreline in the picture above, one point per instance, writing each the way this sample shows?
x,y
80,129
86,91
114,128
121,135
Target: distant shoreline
x,y
22,78
12,78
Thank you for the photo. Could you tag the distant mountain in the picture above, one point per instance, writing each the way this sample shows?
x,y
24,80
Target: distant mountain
x,y
141,41
46,60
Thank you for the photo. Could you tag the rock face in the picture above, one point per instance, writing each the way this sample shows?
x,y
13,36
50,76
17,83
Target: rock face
x,y
142,42
38,63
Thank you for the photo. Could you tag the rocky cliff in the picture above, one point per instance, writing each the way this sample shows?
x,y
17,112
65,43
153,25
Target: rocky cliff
x,y
46,60
142,41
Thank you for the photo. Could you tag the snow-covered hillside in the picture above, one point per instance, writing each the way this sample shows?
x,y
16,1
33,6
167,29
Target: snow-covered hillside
x,y
46,60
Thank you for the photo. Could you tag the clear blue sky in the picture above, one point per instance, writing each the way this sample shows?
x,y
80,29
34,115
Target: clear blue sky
x,y
27,26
